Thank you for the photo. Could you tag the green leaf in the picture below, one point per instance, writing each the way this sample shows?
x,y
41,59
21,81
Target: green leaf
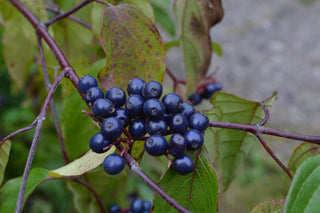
x,y
198,192
142,5
137,150
234,145
76,130
273,206
87,162
304,193
111,190
9,192
133,47
4,157
168,45
194,20
162,11
299,155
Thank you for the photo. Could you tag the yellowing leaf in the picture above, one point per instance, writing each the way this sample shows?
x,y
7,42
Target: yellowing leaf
x,y
4,157
133,47
82,165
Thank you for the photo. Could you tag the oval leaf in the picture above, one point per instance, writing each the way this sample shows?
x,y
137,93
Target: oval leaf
x,y
9,192
133,47
4,157
233,145
87,162
195,17
304,193
197,192
273,206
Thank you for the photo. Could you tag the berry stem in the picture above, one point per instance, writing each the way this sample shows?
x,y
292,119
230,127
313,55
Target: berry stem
x,y
136,169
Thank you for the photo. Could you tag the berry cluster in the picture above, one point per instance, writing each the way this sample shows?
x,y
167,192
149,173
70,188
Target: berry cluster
x,y
137,206
206,93
144,117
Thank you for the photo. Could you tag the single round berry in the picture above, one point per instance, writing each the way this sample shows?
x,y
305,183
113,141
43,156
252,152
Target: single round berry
x,y
218,85
156,145
117,96
123,116
136,206
177,145
86,82
93,94
113,164
179,123
199,122
195,98
208,92
152,89
187,109
111,128
153,108
103,108
135,86
172,102
134,105
193,138
156,126
114,208
146,205
183,165
98,143
137,128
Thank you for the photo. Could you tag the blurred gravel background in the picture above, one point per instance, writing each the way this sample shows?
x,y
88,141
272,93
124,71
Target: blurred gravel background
x,y
270,46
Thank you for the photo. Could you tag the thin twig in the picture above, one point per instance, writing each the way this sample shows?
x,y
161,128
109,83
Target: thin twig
x,y
52,106
266,114
24,129
68,13
275,158
136,169
35,140
257,129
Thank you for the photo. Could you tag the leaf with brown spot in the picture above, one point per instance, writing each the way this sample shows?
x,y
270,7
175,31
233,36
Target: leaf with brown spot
x,y
195,17
273,206
133,47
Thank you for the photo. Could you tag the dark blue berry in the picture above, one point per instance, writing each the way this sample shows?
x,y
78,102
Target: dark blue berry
x,y
218,85
103,108
183,165
193,138
136,206
156,126
134,105
195,98
111,128
98,142
117,96
179,123
172,102
93,94
135,86
153,108
86,82
152,89
156,145
137,128
177,145
114,208
199,122
168,117
187,109
123,116
209,91
146,206
113,164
